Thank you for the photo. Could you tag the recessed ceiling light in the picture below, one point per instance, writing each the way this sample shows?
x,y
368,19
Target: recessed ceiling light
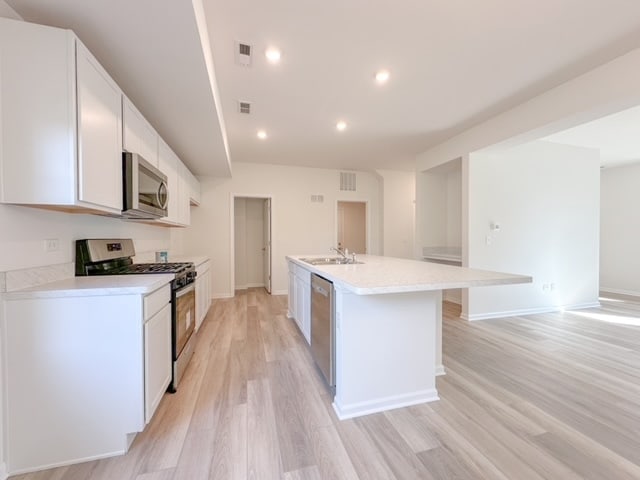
x,y
262,135
272,54
341,125
382,76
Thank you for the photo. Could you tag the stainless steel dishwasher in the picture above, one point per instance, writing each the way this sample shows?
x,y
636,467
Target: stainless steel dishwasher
x,y
323,327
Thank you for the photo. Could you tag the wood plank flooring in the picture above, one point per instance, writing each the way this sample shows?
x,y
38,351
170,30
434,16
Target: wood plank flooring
x,y
550,396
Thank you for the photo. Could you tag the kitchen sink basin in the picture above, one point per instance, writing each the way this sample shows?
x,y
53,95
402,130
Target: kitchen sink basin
x,y
329,261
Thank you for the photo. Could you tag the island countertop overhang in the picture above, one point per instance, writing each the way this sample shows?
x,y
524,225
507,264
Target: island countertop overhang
x,y
379,275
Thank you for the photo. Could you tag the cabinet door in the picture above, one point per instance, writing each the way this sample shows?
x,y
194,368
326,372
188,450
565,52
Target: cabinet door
x,y
138,135
99,134
291,297
306,310
203,296
157,359
168,164
209,284
300,302
184,193
194,189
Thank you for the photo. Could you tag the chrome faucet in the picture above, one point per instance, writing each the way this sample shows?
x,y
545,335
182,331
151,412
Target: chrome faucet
x,y
340,252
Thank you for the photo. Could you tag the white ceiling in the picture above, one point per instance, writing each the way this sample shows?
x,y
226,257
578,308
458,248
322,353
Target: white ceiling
x,y
617,137
452,64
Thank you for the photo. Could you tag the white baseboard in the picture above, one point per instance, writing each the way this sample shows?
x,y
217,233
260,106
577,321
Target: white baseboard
x,y
3,471
383,404
231,295
221,295
527,311
64,463
249,285
618,291
440,370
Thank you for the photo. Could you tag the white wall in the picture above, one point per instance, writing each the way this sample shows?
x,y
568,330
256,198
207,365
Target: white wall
x,y
607,89
399,193
431,211
249,241
620,230
299,226
24,229
240,242
440,206
546,199
454,208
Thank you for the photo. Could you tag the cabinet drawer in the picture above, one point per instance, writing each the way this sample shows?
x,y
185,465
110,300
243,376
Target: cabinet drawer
x,y
154,302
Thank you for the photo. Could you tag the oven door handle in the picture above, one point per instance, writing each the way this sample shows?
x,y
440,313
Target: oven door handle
x,y
186,289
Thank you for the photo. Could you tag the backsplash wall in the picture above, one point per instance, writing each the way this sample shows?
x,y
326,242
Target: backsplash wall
x,y
23,231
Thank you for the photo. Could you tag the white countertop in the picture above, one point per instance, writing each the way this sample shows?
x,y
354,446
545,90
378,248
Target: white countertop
x,y
395,275
95,286
196,260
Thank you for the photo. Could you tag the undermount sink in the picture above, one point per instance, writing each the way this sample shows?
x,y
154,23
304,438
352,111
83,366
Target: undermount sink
x,y
329,261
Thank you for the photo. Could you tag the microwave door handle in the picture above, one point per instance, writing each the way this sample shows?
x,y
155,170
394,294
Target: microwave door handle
x,y
159,193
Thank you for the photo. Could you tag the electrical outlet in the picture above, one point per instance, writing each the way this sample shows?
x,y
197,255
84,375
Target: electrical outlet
x,y
51,245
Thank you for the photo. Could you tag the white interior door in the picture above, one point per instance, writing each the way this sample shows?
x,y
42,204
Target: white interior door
x,y
267,244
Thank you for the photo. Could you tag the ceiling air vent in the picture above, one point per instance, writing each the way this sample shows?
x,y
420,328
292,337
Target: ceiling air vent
x,y
348,181
317,198
243,54
244,107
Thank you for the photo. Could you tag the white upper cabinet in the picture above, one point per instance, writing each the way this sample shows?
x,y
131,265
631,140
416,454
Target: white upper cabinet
x,y
138,135
179,185
184,194
61,137
168,164
194,189
99,133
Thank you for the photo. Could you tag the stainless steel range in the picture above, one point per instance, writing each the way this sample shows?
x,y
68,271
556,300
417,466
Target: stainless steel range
x,y
114,257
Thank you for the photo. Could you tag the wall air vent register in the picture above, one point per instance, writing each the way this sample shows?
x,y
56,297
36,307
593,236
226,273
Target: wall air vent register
x,y
347,181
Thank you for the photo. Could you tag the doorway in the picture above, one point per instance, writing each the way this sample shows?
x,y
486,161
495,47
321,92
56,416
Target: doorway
x,y
251,243
352,226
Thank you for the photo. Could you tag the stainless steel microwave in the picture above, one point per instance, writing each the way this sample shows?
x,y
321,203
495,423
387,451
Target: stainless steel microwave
x,y
145,193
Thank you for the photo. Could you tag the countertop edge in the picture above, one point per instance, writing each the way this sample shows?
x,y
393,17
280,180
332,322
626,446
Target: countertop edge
x,y
507,279
92,287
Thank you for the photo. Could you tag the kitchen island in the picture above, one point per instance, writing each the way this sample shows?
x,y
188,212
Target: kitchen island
x,y
388,326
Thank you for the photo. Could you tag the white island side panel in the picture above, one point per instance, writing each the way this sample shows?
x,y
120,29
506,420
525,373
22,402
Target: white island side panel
x,y
385,351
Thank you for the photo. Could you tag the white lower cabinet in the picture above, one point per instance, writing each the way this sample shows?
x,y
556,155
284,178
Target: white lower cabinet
x,y
291,310
83,374
300,299
157,359
203,292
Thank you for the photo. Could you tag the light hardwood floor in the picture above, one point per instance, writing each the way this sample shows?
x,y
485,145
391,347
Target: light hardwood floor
x,y
553,396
